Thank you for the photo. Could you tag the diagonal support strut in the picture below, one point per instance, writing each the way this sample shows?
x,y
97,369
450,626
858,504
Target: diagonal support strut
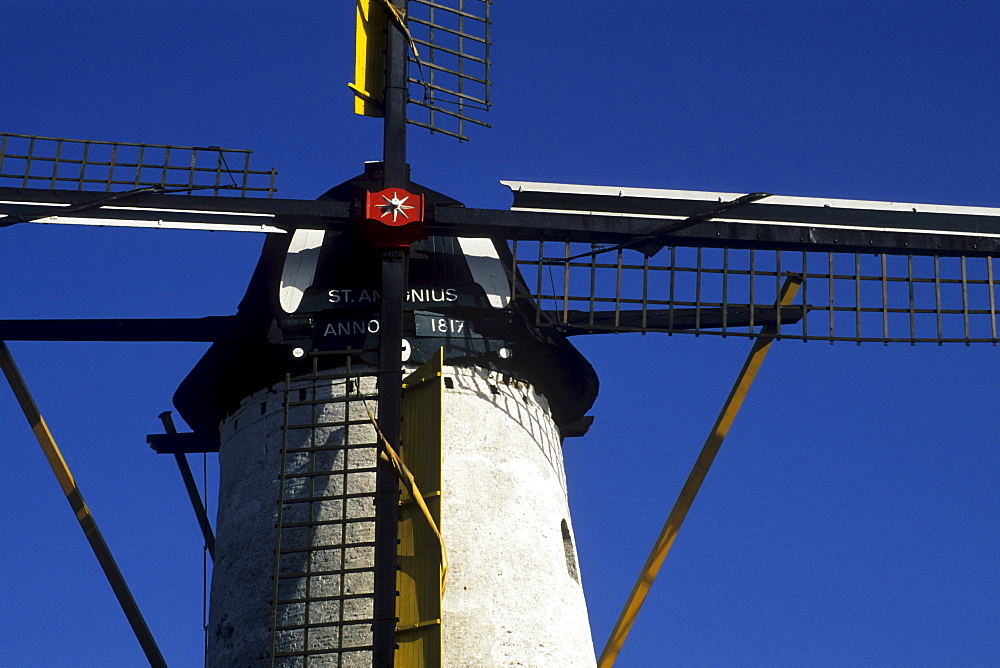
x,y
697,476
192,488
80,509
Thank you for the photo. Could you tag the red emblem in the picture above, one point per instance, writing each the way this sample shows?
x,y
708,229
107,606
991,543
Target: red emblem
x,y
394,206
400,211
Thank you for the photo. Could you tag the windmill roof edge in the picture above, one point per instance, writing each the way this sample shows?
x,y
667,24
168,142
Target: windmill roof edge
x,y
770,200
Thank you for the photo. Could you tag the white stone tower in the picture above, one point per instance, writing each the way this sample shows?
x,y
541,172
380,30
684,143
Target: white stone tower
x,y
514,594
293,576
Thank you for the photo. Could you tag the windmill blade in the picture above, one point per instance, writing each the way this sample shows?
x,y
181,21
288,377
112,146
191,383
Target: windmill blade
x,y
625,217
88,182
621,216
170,211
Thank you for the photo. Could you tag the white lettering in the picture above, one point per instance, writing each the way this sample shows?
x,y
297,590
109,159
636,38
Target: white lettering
x,y
443,325
369,296
351,328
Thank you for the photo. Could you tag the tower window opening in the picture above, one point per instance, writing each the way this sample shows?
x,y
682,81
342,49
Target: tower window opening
x,y
571,567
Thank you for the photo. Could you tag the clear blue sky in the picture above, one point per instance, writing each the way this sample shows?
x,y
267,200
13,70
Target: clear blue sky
x,y
851,516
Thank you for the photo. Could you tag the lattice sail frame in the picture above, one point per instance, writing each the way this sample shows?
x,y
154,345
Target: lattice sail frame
x,y
29,161
844,296
449,74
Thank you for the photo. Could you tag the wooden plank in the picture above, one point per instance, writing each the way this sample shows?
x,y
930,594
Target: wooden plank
x,y
418,607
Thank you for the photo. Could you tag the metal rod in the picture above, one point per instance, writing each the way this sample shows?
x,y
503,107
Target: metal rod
x,y
245,173
693,483
55,164
885,300
909,281
670,297
431,69
565,295
805,295
993,310
27,162
461,69
937,295
220,164
753,281
390,384
111,168
192,488
3,151
697,292
139,165
830,257
538,285
513,273
645,291
777,291
80,509
965,298
857,295
618,288
593,286
193,167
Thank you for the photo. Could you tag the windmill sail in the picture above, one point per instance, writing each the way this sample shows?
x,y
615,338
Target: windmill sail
x,y
448,42
872,271
105,183
850,297
29,161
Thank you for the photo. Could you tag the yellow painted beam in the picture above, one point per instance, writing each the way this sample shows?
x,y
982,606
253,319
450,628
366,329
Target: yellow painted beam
x,y
693,483
420,554
79,506
369,57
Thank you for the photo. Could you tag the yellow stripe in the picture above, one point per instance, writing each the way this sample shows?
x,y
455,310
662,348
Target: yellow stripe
x,y
369,57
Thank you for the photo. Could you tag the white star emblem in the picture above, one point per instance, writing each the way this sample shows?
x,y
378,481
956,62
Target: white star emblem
x,y
397,207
